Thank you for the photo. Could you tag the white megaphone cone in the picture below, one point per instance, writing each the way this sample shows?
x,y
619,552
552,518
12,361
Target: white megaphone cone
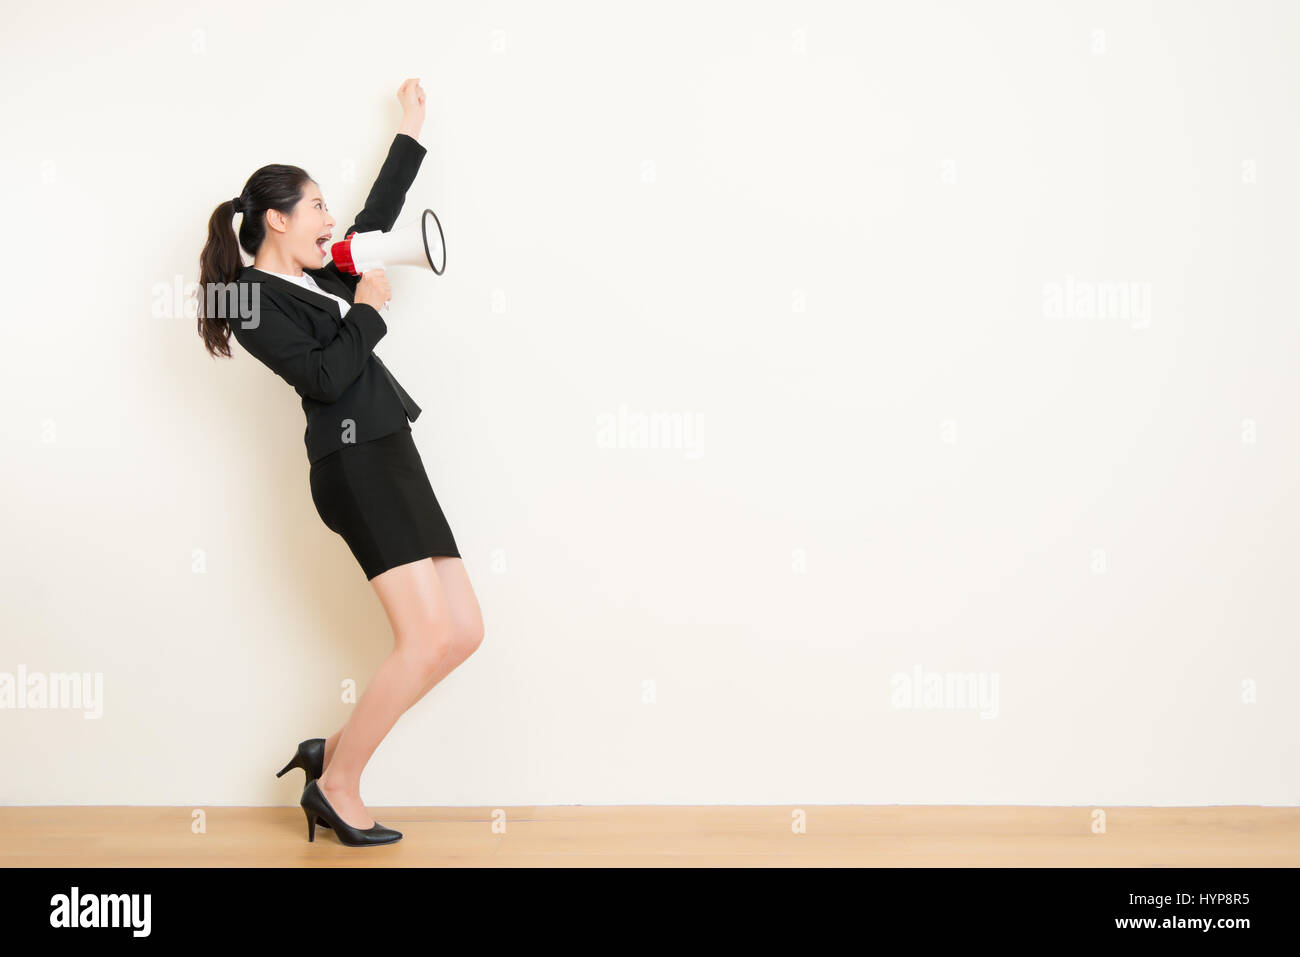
x,y
419,244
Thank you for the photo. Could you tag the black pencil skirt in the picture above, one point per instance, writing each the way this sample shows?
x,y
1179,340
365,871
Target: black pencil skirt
x,y
376,495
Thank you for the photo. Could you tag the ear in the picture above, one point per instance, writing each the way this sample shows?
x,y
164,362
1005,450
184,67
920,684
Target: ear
x,y
277,220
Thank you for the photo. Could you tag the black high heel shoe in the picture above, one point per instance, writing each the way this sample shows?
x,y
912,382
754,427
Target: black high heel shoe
x,y
310,756
317,808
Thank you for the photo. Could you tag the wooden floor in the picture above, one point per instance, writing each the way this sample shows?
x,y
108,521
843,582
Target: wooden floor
x,y
579,836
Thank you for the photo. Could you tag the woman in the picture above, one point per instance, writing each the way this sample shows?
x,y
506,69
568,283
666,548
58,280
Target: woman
x,y
316,326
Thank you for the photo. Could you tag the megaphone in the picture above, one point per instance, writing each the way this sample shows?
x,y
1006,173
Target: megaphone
x,y
414,245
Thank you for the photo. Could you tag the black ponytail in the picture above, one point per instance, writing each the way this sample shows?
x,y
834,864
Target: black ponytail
x,y
272,187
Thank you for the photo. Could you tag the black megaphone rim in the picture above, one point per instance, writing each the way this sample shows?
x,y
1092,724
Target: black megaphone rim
x,y
424,235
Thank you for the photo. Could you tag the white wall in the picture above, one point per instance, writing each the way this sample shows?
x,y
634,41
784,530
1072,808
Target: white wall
x,y
829,235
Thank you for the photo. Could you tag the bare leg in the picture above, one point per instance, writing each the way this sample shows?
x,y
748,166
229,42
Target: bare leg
x,y
467,630
420,616
466,618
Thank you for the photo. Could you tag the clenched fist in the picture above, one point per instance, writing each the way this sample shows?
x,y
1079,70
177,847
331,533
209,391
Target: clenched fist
x,y
373,289
411,95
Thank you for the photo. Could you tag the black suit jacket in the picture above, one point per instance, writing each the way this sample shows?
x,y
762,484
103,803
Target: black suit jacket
x,y
348,394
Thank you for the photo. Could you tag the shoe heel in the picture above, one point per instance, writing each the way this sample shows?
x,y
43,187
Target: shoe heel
x,y
294,762
311,825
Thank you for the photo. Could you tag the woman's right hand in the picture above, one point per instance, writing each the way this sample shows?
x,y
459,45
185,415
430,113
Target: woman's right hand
x,y
373,289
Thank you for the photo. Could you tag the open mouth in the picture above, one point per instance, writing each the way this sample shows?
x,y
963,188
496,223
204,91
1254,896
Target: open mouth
x,y
322,242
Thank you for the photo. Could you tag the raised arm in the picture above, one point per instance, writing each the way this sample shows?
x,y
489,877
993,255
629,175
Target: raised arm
x,y
384,203
388,194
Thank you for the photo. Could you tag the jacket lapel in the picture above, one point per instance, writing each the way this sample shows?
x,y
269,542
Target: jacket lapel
x,y
253,274
328,279
280,284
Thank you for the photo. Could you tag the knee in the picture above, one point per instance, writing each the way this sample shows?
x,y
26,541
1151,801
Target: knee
x,y
434,643
469,635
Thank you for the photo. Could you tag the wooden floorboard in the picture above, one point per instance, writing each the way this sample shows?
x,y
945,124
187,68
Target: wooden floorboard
x,y
581,836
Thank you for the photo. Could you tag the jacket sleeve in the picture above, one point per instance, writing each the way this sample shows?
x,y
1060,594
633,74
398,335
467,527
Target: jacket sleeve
x,y
322,372
387,195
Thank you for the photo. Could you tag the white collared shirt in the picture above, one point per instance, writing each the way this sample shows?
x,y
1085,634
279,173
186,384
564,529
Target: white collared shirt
x,y
307,282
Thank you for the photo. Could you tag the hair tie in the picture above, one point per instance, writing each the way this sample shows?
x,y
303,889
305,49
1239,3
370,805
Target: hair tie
x,y
239,207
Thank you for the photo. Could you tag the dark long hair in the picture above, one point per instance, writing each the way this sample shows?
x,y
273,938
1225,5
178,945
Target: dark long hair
x,y
272,187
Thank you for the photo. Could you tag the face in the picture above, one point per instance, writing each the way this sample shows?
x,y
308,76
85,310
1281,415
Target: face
x,y
307,232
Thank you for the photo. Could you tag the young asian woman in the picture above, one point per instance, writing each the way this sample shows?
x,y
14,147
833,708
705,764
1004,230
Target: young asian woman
x,y
316,327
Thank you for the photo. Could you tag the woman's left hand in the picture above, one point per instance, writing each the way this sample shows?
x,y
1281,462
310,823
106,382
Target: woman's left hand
x,y
411,95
